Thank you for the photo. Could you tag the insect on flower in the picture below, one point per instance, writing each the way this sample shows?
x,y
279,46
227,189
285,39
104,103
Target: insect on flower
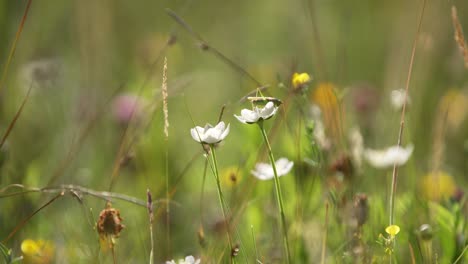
x,y
264,100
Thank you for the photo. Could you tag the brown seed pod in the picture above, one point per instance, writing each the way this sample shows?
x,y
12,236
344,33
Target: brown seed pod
x,y
361,209
110,222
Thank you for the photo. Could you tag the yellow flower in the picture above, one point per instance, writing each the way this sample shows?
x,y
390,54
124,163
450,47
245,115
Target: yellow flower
x,y
454,104
324,95
299,80
392,230
231,176
37,252
437,186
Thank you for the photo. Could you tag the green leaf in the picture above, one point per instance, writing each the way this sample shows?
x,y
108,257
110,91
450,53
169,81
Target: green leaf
x,y
6,253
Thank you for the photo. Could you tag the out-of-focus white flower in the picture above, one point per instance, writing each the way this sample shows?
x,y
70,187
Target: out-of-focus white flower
x,y
397,98
210,134
319,129
264,171
357,145
253,116
388,157
187,260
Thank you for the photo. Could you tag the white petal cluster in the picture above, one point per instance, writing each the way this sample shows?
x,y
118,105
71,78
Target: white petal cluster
x,y
187,260
210,134
264,171
253,116
388,157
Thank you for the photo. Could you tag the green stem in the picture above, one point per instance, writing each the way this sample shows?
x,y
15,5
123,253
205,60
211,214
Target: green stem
x,y
279,196
221,198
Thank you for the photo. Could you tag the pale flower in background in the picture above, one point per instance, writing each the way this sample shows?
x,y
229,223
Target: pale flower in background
x,y
388,157
357,145
253,116
397,98
264,171
210,134
126,107
187,260
319,129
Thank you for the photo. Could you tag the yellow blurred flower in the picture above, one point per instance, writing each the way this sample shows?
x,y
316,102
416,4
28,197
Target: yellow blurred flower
x,y
299,80
392,230
324,95
436,186
455,105
37,251
231,176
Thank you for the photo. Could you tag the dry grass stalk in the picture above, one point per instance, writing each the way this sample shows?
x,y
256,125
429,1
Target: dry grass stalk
x,y
165,95
459,38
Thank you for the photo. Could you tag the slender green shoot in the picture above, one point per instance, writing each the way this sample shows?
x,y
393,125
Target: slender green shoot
x,y
279,196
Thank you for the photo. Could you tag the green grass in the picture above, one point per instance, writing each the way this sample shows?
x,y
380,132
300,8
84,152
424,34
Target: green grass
x,y
79,56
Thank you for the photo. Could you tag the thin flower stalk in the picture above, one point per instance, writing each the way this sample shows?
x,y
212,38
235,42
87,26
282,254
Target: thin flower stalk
x,y
402,119
279,196
221,196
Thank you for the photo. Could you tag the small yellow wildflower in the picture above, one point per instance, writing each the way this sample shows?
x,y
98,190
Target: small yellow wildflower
x,y
37,251
454,104
231,176
299,80
392,230
437,186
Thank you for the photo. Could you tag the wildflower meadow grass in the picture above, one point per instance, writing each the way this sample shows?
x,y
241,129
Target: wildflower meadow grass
x,y
233,131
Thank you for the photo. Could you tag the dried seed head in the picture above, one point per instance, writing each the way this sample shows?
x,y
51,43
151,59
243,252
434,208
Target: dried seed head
x,y
109,223
361,209
149,205
342,165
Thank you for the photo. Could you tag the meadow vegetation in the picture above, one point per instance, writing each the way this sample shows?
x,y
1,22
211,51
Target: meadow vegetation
x,y
233,131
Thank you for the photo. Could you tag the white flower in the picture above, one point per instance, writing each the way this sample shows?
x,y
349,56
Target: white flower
x,y
253,116
210,134
187,260
264,171
397,98
388,157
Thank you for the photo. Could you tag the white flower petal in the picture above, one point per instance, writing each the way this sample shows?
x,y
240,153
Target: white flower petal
x,y
210,134
197,133
264,171
283,166
388,157
225,132
397,98
268,110
249,117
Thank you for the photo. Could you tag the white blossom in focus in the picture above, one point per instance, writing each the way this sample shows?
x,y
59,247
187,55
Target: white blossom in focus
x,y
210,134
253,116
